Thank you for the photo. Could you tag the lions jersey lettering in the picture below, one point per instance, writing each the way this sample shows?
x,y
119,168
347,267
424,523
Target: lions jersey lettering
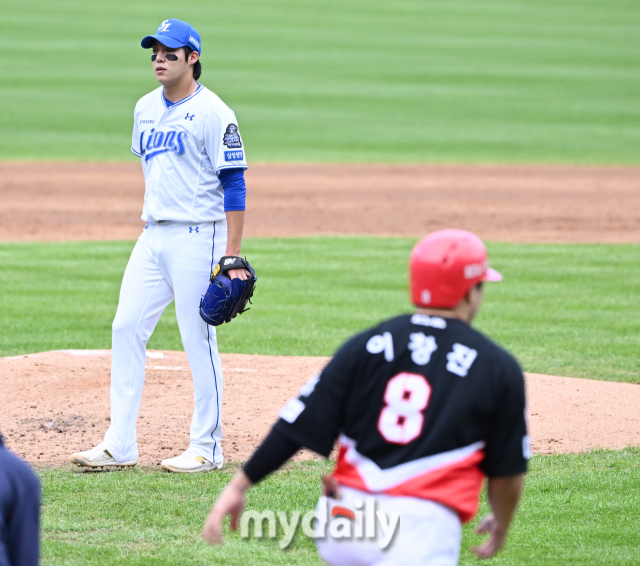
x,y
160,142
183,148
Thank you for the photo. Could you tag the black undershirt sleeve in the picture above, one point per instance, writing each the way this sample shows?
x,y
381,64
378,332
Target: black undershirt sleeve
x,y
274,451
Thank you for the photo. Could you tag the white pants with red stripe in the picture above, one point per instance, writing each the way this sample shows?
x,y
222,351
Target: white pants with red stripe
x,y
170,261
428,533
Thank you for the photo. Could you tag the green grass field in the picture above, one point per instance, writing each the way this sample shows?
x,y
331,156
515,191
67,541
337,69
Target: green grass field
x,y
561,309
577,509
409,81
567,310
500,81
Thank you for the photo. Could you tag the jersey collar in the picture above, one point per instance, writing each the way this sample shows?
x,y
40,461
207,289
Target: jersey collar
x,y
167,103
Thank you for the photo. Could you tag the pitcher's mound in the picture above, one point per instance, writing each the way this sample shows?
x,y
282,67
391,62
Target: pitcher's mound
x,y
58,403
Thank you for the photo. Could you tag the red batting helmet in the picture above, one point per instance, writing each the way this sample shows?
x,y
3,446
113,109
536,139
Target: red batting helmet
x,y
444,265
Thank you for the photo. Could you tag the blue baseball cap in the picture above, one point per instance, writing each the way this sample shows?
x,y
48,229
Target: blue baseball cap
x,y
173,34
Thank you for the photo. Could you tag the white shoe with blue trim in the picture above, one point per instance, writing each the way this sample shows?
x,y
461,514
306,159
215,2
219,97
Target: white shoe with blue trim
x,y
189,462
99,457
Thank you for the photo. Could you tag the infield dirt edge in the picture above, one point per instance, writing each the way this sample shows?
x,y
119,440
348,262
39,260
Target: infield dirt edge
x,y
60,405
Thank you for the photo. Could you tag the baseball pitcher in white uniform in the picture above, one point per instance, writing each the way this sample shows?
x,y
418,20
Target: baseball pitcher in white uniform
x,y
193,161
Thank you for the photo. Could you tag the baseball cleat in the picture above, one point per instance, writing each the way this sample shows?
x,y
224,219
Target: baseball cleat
x,y
99,457
189,462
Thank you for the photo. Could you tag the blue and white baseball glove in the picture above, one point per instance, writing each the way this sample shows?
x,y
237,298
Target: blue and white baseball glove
x,y
226,298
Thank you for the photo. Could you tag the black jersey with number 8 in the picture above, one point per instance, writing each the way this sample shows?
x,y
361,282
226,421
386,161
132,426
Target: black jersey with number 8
x,y
422,406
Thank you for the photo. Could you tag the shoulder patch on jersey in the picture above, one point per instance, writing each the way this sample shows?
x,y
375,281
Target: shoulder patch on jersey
x,y
308,388
526,447
233,155
232,137
291,411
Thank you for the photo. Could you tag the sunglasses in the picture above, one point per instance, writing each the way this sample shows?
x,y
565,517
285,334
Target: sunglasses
x,y
169,57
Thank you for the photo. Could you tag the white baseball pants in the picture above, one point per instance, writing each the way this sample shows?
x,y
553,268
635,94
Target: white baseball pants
x,y
428,534
170,261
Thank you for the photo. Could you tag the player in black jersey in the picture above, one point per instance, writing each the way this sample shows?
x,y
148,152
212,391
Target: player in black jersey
x,y
423,407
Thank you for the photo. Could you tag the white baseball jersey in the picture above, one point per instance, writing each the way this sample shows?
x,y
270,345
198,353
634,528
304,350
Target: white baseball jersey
x,y
183,147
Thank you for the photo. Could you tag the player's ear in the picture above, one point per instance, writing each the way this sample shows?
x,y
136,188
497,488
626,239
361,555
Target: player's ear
x,y
193,57
476,299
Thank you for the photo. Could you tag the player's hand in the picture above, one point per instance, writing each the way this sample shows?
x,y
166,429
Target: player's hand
x,y
496,538
331,487
241,274
231,502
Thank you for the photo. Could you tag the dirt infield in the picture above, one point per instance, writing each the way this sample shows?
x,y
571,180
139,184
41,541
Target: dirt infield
x,y
60,404
53,202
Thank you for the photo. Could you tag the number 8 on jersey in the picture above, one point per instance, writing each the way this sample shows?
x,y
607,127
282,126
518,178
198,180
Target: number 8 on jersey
x,y
406,397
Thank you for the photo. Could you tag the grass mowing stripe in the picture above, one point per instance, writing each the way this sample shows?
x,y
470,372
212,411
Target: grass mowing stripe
x,y
328,81
562,309
577,509
568,309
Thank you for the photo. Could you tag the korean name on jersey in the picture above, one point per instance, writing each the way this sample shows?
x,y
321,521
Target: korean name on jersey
x,y
182,148
412,398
